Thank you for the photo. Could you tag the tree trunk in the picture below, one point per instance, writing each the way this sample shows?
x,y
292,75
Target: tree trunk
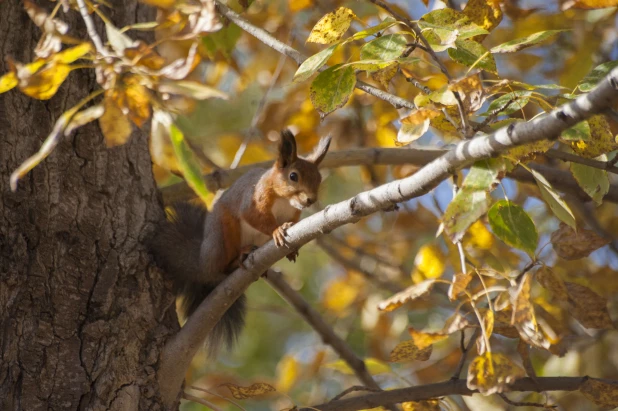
x,y
83,310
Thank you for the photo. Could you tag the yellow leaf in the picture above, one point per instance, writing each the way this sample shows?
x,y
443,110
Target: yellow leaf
x,y
491,373
455,322
589,4
114,124
287,373
601,139
588,307
528,152
162,4
138,100
408,351
242,393
339,295
423,340
429,261
479,237
425,405
298,5
373,365
331,27
459,284
485,13
43,84
488,328
552,282
573,245
602,393
524,318
8,81
74,53
409,294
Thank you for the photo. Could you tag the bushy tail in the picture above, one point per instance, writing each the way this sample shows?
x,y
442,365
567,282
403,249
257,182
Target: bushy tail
x,y
176,249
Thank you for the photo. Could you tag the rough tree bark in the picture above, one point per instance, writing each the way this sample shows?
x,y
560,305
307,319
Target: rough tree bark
x,y
83,311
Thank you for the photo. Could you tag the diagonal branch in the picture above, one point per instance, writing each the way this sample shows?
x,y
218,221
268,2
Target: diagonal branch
x,y
315,320
295,55
176,355
442,389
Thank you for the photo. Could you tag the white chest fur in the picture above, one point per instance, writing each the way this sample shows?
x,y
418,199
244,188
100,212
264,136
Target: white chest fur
x,y
283,212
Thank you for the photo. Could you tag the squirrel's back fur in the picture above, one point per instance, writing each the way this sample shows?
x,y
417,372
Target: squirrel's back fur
x,y
176,249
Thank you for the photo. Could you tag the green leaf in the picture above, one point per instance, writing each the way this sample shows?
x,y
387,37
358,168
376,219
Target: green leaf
x,y
331,89
596,75
313,64
472,54
446,22
525,42
593,181
520,99
118,40
558,206
464,210
388,22
222,41
369,65
485,174
580,131
387,47
187,163
511,224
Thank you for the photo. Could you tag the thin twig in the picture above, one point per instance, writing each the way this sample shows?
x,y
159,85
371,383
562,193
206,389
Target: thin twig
x,y
442,389
295,55
465,349
354,265
92,31
199,400
203,158
363,254
590,162
223,397
258,114
353,389
524,404
315,320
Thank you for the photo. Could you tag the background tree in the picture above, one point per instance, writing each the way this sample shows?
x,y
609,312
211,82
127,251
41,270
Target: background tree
x,y
429,111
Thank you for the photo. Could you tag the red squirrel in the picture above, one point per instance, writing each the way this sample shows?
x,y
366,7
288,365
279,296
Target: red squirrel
x,y
199,249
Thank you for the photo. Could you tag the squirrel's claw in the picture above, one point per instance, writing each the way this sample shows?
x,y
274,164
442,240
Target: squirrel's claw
x,y
292,256
280,233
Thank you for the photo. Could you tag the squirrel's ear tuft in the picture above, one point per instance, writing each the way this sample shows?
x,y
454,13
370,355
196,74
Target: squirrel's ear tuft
x,y
320,151
287,149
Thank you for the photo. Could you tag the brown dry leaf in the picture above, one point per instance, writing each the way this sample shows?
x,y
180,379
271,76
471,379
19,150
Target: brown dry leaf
x,y
502,324
408,351
459,284
523,317
138,100
242,393
602,393
423,340
53,29
470,90
601,139
492,372
385,75
115,126
573,245
456,322
552,282
331,27
524,352
416,124
588,307
409,294
425,405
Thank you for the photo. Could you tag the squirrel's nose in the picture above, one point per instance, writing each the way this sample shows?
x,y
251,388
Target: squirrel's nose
x,y
309,201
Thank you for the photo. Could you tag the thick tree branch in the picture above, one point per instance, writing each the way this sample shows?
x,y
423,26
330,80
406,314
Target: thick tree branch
x,y
295,55
442,389
220,179
315,320
180,349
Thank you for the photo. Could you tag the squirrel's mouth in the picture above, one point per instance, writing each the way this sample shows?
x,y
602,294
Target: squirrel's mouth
x,y
297,204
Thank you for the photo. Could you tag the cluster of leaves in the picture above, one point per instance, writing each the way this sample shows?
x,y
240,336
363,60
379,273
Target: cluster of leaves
x,y
512,292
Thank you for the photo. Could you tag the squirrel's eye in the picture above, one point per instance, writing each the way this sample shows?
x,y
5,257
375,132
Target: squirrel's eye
x,y
293,176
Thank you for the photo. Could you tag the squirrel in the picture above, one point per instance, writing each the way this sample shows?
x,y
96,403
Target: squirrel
x,y
198,249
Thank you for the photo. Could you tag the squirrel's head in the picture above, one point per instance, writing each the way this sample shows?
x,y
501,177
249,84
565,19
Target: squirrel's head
x,y
298,179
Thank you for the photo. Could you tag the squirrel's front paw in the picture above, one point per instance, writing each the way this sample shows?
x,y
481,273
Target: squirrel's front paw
x,y
280,233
